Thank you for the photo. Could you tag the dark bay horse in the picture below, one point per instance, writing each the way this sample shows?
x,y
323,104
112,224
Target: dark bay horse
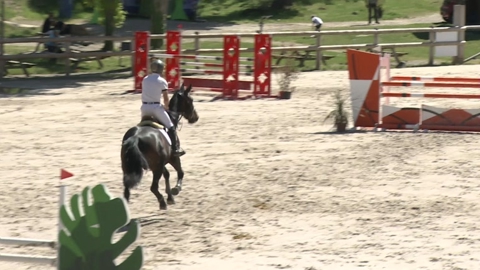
x,y
146,147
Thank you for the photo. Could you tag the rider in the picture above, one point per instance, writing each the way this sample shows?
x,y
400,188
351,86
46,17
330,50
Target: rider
x,y
154,86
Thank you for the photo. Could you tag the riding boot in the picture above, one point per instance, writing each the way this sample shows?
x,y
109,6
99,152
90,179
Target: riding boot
x,y
177,151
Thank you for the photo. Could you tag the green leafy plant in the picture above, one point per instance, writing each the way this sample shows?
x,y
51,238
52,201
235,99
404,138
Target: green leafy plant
x,y
286,75
86,240
339,114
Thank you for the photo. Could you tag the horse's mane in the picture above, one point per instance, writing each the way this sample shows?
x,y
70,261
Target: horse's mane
x,y
174,114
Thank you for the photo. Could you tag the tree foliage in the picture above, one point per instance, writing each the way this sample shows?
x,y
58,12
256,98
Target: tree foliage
x,y
158,19
114,7
111,15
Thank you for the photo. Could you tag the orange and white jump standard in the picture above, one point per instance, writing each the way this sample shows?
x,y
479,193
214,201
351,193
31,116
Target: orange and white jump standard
x,y
367,92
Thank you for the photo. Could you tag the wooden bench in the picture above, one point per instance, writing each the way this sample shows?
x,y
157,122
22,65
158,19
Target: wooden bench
x,y
301,58
16,65
77,61
393,53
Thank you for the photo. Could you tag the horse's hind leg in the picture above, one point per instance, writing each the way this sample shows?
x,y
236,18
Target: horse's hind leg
x,y
126,193
154,189
177,165
166,175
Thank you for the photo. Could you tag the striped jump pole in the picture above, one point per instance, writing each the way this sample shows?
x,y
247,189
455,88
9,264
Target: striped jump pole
x,y
202,71
198,57
421,95
435,79
202,64
432,84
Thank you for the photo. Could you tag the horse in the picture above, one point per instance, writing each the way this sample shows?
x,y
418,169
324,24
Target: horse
x,y
146,147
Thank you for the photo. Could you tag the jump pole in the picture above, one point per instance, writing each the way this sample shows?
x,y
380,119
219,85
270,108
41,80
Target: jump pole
x,y
434,79
38,242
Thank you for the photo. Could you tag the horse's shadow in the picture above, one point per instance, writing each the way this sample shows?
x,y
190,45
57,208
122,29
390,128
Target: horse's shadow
x,y
334,132
144,222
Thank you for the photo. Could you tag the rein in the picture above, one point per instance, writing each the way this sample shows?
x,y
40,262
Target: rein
x,y
177,115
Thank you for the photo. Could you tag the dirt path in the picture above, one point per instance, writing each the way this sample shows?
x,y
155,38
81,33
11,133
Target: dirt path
x,y
133,25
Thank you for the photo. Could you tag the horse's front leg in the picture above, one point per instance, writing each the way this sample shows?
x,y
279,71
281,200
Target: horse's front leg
x,y
154,189
177,165
166,175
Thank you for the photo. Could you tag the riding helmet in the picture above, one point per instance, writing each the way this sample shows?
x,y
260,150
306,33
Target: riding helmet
x,y
157,66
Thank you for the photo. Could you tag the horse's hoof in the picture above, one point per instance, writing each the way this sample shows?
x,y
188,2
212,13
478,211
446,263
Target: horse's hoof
x,y
175,191
170,202
163,207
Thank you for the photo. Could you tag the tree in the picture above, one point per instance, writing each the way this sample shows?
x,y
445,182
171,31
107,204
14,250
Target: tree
x,y
111,15
156,10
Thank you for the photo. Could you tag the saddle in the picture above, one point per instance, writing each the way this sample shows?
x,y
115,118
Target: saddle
x,y
150,121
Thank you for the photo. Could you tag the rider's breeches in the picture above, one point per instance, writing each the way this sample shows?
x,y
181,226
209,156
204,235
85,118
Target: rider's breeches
x,y
158,112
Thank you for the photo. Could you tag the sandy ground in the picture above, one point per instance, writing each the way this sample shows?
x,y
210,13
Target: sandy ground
x,y
266,186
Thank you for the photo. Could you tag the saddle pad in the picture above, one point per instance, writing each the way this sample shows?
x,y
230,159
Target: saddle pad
x,y
148,123
166,136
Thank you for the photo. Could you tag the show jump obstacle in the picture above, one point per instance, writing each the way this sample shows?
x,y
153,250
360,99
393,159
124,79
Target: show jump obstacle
x,y
37,242
229,86
86,225
368,91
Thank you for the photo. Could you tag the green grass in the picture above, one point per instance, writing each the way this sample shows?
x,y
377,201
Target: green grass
x,y
12,31
248,11
38,9
417,56
342,10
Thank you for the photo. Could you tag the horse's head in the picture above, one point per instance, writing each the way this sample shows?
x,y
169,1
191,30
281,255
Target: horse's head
x,y
182,104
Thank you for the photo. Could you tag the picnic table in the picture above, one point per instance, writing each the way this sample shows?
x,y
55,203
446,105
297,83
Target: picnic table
x,y
18,65
393,53
300,57
76,61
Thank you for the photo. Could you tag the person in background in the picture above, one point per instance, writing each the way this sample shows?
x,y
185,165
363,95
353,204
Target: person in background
x,y
48,23
317,22
372,5
65,29
51,45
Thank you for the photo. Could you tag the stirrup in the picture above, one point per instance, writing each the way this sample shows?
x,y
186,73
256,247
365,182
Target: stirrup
x,y
178,152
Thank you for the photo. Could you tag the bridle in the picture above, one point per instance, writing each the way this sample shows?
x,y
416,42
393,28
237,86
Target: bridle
x,y
178,115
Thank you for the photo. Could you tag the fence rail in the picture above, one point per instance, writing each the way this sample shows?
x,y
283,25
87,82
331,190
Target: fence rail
x,y
460,29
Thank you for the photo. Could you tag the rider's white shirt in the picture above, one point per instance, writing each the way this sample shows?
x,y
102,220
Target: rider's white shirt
x,y
317,20
152,87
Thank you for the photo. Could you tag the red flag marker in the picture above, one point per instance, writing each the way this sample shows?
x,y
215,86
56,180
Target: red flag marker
x,y
65,174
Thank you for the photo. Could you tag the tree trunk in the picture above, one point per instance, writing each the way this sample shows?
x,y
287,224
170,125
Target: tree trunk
x,y
158,20
109,8
109,30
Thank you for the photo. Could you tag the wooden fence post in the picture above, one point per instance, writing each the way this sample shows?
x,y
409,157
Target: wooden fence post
x,y
318,60
431,56
2,36
459,22
67,60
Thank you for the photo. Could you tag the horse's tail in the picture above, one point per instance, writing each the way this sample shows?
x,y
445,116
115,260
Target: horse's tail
x,y
133,162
